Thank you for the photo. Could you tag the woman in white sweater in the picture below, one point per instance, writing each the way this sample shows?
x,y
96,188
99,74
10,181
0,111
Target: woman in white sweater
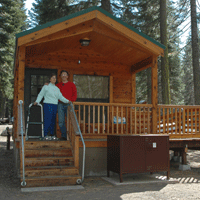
x,y
51,94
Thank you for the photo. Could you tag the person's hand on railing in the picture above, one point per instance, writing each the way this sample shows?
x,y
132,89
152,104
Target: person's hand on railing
x,y
35,103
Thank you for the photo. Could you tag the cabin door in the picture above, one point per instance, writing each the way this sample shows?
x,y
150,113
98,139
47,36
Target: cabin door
x,y
34,81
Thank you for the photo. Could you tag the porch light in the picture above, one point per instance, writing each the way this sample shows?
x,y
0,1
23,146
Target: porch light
x,y
85,42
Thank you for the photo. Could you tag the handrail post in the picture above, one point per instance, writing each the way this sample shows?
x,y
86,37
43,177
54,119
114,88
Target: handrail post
x,y
8,139
23,183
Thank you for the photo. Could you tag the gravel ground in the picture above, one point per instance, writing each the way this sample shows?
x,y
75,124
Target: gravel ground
x,y
96,188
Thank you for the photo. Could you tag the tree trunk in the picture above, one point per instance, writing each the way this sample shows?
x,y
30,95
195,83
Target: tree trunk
x,y
164,61
195,52
105,4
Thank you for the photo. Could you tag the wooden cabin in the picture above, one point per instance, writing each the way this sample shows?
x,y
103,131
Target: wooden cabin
x,y
115,54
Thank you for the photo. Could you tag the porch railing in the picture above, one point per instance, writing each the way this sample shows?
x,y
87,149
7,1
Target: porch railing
x,y
178,121
113,118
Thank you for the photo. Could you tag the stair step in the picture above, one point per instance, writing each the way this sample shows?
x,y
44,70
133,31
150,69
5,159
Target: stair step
x,y
46,144
48,152
49,161
50,171
51,181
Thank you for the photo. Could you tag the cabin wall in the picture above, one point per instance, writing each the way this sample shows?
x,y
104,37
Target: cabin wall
x,y
121,87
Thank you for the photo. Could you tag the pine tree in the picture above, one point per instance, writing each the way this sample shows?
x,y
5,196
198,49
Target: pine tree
x,y
44,11
12,21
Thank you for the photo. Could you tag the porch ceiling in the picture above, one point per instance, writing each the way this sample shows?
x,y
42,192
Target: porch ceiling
x,y
106,45
112,41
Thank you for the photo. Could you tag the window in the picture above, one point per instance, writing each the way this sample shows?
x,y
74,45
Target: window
x,y
37,82
92,87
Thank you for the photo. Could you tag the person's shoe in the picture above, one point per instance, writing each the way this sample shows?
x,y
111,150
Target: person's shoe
x,y
54,137
41,138
47,137
63,138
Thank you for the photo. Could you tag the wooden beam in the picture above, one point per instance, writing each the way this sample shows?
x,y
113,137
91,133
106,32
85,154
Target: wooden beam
x,y
154,93
145,43
139,66
84,27
133,85
55,28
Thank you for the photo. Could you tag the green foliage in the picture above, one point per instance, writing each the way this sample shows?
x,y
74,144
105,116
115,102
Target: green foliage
x,y
44,11
12,21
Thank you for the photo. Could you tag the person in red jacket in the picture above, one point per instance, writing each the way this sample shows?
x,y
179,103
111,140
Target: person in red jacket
x,y
68,90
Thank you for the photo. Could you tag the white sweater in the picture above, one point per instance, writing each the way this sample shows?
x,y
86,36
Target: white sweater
x,y
51,94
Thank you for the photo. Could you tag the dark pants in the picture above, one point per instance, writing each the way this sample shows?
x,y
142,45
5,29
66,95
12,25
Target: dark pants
x,y
50,111
62,112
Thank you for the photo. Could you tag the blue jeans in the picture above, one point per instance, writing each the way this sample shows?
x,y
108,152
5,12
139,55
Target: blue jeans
x,y
62,112
50,111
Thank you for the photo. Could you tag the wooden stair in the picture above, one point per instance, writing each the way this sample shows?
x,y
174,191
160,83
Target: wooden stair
x,y
49,163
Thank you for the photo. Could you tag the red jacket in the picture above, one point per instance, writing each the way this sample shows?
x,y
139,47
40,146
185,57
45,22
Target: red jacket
x,y
68,90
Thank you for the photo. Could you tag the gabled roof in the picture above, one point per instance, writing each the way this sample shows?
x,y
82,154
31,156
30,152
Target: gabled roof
x,y
49,24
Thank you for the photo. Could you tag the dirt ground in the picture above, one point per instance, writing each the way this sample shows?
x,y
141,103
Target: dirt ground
x,y
97,188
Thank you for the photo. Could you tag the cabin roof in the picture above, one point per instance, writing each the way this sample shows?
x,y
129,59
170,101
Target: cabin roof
x,y
84,12
112,41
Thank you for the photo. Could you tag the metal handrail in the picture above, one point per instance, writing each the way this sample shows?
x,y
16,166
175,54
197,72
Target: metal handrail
x,y
23,183
79,132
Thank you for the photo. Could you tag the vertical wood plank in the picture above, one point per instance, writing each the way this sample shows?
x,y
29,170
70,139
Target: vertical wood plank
x,y
103,119
108,119
164,122
117,114
84,119
140,124
93,119
144,118
195,120
188,119
122,120
192,120
183,121
180,121
159,120
111,89
89,119
154,93
112,114
98,123
167,120
176,120
127,120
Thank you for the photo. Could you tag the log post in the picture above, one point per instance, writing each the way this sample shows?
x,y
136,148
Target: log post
x,y
154,93
20,73
133,89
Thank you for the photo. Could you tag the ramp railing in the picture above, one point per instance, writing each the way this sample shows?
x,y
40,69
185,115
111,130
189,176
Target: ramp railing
x,y
21,120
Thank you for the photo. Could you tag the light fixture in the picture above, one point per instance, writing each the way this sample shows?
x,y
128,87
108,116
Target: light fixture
x,y
85,42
